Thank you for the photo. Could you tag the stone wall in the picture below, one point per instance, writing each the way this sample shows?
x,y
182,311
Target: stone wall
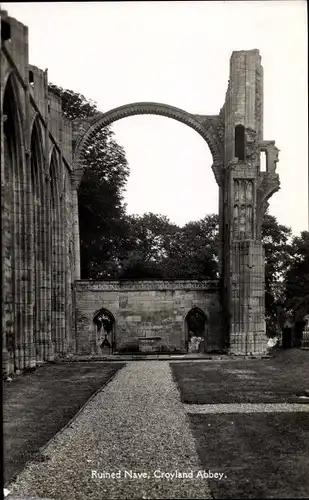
x,y
147,309
42,164
37,210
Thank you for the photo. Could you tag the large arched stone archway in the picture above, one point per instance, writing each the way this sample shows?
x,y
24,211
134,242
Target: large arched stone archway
x,y
209,127
243,190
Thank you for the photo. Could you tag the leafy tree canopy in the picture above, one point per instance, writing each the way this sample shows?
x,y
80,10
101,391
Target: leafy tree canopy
x,y
297,279
100,196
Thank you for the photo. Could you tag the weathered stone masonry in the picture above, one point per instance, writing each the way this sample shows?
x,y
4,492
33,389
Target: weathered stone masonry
x,y
148,309
37,210
42,162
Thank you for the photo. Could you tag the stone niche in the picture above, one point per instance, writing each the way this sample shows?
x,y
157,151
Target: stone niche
x,y
150,316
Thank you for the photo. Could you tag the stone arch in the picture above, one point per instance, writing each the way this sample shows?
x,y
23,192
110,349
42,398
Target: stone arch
x,y
10,81
55,250
104,335
195,327
88,128
14,186
38,213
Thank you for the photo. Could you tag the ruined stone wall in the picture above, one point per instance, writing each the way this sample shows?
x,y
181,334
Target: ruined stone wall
x,y
40,228
37,210
246,192
147,309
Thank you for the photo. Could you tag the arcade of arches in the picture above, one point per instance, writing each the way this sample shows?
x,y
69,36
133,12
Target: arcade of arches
x,y
47,311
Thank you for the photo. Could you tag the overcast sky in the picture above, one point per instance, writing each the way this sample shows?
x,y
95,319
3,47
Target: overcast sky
x,y
178,53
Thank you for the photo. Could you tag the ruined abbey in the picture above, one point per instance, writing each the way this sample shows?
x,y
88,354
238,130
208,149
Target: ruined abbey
x,y
47,311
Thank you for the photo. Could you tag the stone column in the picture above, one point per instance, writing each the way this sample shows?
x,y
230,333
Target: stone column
x,y
62,265
246,192
49,351
76,233
248,328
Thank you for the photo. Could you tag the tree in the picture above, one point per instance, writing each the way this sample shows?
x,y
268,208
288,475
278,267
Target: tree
x,y
101,207
278,258
297,279
100,195
145,245
192,253
74,105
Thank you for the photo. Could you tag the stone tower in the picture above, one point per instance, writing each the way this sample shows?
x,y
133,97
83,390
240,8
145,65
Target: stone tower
x,y
246,191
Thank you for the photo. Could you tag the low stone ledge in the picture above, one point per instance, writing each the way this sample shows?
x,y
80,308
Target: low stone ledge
x,y
145,285
148,344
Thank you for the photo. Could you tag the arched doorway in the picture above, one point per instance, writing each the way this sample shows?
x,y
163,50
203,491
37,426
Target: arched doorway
x,y
195,325
104,322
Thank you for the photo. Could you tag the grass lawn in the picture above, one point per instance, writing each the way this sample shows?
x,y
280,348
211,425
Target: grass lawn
x,y
262,455
274,380
37,405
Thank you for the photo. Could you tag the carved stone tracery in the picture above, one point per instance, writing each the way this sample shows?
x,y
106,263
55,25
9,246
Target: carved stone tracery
x,y
243,209
252,148
147,285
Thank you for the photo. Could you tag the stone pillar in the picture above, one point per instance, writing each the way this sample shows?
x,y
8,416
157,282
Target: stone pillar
x,y
76,233
62,266
248,329
247,190
49,350
48,353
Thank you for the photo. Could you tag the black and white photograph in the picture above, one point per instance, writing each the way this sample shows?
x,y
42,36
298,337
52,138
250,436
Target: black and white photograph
x,y
155,250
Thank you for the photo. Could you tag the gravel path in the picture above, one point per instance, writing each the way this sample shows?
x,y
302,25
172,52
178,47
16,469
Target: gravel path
x,y
247,408
136,423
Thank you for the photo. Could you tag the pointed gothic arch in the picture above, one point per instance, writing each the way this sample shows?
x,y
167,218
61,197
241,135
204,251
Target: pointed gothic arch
x,y
104,335
195,327
15,319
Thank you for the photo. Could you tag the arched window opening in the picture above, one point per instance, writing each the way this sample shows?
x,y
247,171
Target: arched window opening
x,y
14,230
263,161
10,151
196,326
240,142
12,123
105,329
5,30
31,78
